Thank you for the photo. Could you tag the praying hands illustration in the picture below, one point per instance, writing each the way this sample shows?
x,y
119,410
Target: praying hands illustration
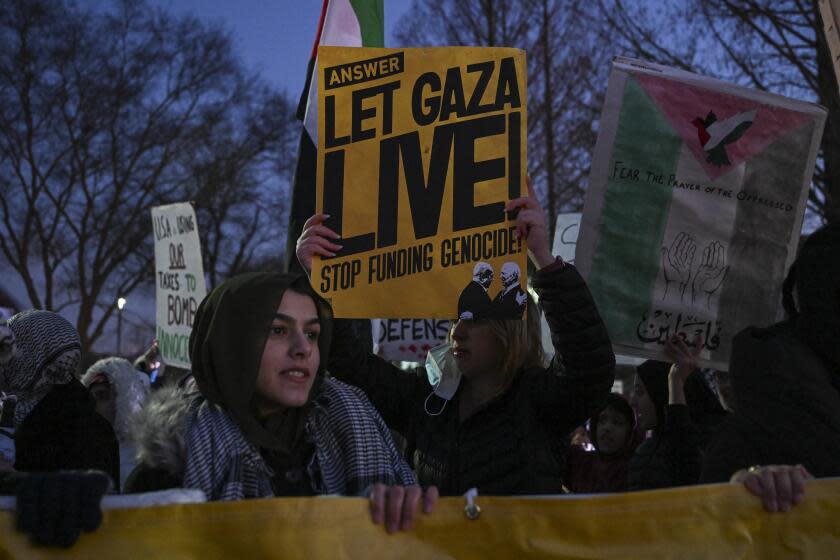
x,y
676,263
710,273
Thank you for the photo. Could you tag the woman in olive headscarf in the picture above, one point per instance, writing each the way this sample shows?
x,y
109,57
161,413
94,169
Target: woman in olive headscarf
x,y
268,421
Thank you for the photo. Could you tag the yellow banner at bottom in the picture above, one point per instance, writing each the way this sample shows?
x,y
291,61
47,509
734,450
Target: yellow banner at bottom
x,y
714,521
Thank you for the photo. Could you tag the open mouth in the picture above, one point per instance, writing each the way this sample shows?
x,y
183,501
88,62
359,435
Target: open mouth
x,y
296,375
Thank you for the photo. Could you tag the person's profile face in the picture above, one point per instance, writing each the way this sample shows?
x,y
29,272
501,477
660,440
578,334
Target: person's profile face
x,y
291,355
725,393
508,276
643,405
475,349
103,395
613,431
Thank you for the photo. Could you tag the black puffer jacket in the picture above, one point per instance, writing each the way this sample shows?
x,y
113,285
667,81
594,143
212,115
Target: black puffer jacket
x,y
513,444
788,408
671,457
64,432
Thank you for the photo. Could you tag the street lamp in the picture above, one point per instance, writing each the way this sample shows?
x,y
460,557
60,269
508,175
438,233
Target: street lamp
x,y
120,304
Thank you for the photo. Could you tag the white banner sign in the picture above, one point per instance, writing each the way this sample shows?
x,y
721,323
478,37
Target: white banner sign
x,y
694,207
179,278
407,340
565,236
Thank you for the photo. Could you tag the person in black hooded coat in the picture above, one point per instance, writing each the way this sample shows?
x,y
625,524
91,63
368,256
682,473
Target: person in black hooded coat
x,y
614,436
501,427
56,423
786,378
65,451
674,402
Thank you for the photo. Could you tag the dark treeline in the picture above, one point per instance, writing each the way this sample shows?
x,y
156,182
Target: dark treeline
x,y
107,112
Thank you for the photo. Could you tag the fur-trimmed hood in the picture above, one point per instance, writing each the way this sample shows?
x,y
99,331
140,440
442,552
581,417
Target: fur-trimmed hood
x,y
159,430
130,388
353,446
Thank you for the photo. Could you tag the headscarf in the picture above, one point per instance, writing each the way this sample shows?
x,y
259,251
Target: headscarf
x,y
226,345
619,404
654,376
703,404
815,278
130,388
47,353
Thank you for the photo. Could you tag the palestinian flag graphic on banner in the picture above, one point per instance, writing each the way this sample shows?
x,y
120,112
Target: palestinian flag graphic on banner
x,y
694,208
343,23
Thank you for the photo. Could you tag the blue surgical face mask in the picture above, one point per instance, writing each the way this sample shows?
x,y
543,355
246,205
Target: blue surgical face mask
x,y
444,375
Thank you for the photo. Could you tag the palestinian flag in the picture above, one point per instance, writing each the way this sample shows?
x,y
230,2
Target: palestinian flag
x,y
343,23
694,208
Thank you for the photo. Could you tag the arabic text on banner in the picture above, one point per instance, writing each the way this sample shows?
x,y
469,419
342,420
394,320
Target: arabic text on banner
x,y
694,207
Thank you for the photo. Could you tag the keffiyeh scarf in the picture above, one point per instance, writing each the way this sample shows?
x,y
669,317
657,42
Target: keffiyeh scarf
x,y
47,353
353,449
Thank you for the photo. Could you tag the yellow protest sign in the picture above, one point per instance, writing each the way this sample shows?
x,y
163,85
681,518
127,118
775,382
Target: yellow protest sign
x,y
418,152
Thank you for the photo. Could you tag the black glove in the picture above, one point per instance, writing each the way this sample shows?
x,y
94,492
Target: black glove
x,y
54,508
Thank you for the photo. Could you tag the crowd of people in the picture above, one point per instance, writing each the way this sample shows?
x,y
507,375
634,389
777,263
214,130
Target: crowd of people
x,y
284,400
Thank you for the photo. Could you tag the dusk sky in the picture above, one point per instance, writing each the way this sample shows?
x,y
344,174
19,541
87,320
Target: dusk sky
x,y
273,37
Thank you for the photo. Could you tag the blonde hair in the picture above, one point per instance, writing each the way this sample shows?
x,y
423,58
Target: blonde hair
x,y
520,343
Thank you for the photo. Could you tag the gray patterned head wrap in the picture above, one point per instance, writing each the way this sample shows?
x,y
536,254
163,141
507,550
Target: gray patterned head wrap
x,y
47,352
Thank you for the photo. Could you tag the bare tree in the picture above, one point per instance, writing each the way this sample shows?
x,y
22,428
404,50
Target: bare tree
x,y
491,23
568,73
566,77
777,46
241,176
105,114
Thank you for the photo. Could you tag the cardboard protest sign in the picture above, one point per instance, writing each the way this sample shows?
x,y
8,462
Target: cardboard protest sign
x,y
830,12
179,279
566,230
418,152
694,207
407,340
